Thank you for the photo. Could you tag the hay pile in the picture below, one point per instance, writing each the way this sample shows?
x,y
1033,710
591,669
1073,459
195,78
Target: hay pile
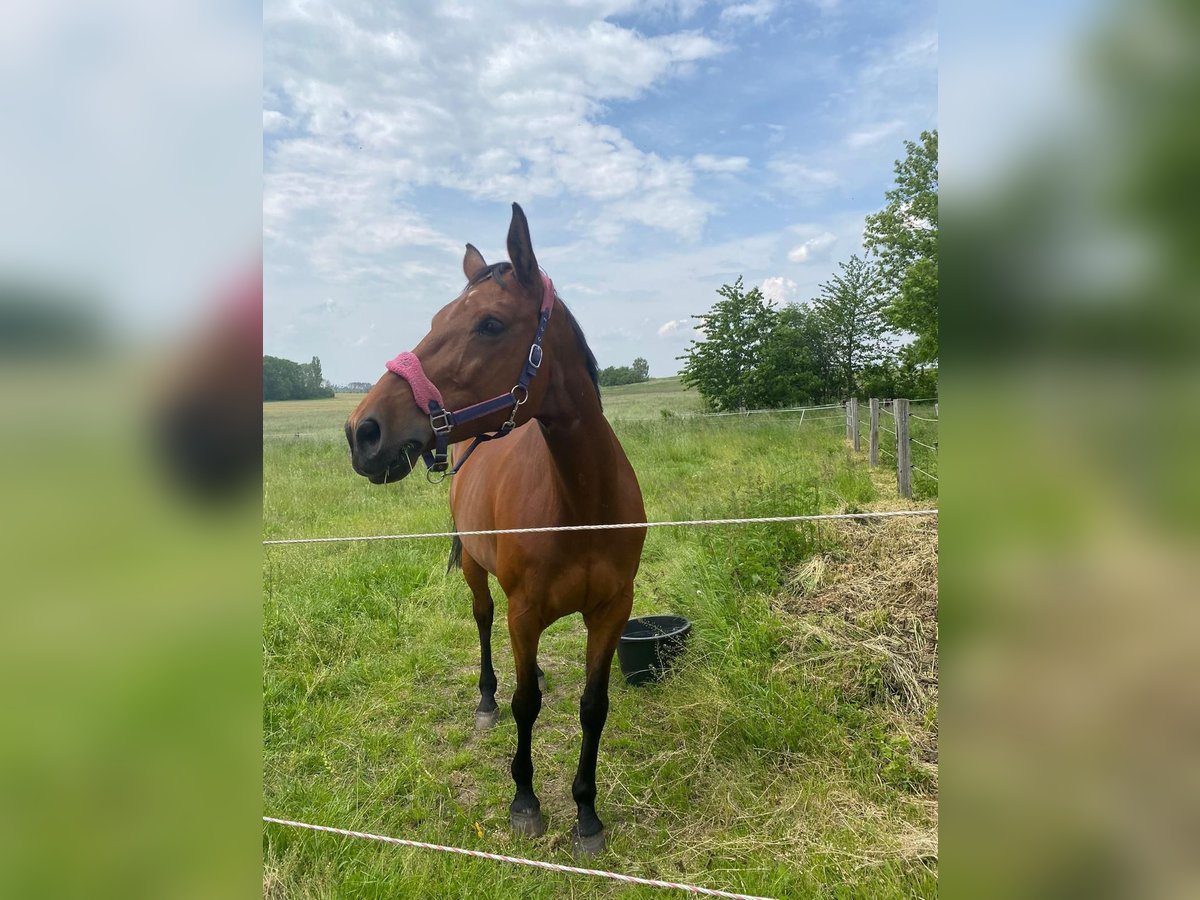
x,y
864,614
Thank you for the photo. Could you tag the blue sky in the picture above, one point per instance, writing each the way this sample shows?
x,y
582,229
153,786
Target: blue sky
x,y
659,149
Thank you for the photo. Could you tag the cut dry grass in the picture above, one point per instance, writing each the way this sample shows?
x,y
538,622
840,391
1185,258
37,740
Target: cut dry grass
x,y
865,613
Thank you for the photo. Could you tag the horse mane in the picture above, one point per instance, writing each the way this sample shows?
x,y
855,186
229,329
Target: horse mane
x,y
498,270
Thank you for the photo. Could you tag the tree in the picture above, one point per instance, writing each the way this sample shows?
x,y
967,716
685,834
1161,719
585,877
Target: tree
x,y
850,310
903,379
795,364
287,380
614,375
904,236
721,366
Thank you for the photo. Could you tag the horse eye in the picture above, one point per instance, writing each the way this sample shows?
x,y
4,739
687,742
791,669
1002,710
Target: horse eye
x,y
490,327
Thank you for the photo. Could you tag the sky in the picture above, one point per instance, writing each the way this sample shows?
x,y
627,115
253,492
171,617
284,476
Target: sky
x,y
659,149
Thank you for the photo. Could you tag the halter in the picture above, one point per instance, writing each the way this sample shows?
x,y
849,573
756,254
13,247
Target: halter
x,y
442,420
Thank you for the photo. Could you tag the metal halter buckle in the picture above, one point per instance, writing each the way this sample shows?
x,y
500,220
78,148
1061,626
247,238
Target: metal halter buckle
x,y
535,351
440,421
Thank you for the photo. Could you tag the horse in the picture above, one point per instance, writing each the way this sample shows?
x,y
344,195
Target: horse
x,y
559,464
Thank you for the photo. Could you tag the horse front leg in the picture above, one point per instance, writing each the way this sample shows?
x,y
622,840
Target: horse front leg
x,y
486,713
525,812
604,630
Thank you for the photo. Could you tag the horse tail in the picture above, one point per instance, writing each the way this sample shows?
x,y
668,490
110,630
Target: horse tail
x,y
455,561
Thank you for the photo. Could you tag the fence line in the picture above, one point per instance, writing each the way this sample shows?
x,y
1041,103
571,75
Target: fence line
x,y
750,412
898,409
760,520
270,435
516,860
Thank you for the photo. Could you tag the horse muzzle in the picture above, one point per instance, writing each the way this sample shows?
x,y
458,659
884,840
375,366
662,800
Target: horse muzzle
x,y
378,460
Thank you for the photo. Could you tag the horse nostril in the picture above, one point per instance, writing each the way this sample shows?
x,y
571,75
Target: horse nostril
x,y
367,436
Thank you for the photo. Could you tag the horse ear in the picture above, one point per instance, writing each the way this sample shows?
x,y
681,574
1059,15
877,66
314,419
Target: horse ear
x,y
520,249
472,262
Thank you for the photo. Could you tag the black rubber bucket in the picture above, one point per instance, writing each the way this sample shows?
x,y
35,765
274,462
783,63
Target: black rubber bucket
x,y
648,646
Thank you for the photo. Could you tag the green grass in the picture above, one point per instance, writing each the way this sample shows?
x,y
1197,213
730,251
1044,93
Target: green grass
x,y
649,399
746,770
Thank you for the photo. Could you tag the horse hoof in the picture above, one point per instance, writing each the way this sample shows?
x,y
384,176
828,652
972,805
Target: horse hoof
x,y
486,719
592,845
530,824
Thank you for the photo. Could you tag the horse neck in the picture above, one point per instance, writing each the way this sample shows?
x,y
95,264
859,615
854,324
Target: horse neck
x,y
577,433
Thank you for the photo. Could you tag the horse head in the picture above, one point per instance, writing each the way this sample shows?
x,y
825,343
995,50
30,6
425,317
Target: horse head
x,y
479,350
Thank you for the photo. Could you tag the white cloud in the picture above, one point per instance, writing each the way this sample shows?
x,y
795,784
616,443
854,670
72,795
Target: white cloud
x,y
778,290
273,120
706,162
813,248
797,176
671,326
756,11
503,109
867,137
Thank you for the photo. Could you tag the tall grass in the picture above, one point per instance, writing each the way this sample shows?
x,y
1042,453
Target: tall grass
x,y
746,769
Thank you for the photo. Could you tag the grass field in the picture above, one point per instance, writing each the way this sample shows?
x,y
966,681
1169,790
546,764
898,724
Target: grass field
x,y
793,754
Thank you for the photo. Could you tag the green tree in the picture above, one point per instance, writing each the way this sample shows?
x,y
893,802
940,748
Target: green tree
x,y
287,380
850,311
904,236
795,364
898,379
281,378
721,367
613,375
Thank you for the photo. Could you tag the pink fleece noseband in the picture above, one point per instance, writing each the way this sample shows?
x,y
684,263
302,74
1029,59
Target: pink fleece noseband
x,y
425,392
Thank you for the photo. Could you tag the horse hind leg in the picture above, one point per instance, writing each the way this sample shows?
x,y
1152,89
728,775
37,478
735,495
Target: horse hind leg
x,y
604,630
486,713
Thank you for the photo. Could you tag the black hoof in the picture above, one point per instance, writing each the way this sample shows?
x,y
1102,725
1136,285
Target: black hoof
x,y
486,719
530,824
592,845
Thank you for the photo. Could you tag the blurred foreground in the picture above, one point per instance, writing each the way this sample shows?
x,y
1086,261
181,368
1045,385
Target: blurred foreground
x,y
1069,566
129,626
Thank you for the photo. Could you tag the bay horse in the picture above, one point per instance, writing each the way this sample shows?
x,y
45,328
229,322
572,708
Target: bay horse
x,y
506,359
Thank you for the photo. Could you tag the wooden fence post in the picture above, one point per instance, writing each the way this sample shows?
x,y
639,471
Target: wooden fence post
x,y
903,461
846,406
854,439
873,451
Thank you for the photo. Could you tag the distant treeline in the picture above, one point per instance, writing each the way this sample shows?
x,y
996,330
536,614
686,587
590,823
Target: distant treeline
x,y
614,375
287,380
